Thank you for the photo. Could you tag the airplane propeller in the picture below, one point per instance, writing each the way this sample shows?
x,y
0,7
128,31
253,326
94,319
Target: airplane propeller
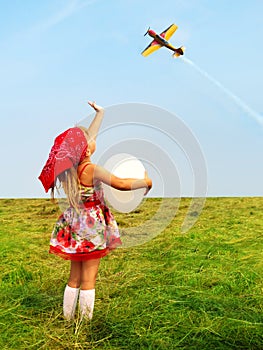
x,y
147,31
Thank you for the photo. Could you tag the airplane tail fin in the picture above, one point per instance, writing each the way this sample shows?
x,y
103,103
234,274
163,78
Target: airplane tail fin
x,y
179,52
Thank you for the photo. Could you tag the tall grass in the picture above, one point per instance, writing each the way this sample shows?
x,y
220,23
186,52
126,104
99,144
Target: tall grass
x,y
199,290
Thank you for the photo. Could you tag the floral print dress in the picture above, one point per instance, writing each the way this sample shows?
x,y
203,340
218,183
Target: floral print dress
x,y
89,233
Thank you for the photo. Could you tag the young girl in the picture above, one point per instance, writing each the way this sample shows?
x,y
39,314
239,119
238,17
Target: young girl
x,y
86,231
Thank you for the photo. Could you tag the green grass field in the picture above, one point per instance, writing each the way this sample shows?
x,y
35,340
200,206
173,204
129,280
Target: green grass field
x,y
199,290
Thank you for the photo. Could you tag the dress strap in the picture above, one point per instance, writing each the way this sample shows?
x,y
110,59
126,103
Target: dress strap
x,y
85,166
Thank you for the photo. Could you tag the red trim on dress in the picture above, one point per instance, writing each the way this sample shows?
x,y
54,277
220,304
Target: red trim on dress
x,y
96,254
92,204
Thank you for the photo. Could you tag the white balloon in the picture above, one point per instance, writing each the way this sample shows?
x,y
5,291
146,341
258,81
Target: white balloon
x,y
124,165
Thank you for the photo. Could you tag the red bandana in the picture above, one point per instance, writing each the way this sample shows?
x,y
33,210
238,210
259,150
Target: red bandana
x,y
69,150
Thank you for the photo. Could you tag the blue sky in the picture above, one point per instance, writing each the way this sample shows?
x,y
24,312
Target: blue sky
x,y
57,54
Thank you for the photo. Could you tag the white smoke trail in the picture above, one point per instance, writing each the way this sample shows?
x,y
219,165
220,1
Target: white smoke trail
x,y
255,115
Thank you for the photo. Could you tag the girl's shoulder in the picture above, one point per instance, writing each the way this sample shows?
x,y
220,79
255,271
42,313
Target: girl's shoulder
x,y
85,166
85,172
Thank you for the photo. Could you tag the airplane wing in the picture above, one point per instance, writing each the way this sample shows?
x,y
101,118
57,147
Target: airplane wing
x,y
151,48
167,33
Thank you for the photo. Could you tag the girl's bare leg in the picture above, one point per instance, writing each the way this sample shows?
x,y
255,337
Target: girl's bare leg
x,y
71,292
75,274
87,293
89,273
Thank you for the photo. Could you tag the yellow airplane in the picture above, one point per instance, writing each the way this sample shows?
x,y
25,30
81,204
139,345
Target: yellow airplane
x,y
160,40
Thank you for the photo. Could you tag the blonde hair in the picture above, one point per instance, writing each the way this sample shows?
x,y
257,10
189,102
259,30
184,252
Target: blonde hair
x,y
70,183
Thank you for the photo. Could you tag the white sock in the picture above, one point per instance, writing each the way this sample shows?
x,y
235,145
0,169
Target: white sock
x,y
86,303
70,302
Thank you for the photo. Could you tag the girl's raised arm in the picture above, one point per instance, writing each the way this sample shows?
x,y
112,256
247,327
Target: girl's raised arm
x,y
92,131
96,122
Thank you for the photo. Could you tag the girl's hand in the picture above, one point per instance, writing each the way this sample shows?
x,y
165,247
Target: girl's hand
x,y
95,106
148,182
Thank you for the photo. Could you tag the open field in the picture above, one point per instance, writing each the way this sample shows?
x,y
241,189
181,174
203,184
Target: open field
x,y
199,290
